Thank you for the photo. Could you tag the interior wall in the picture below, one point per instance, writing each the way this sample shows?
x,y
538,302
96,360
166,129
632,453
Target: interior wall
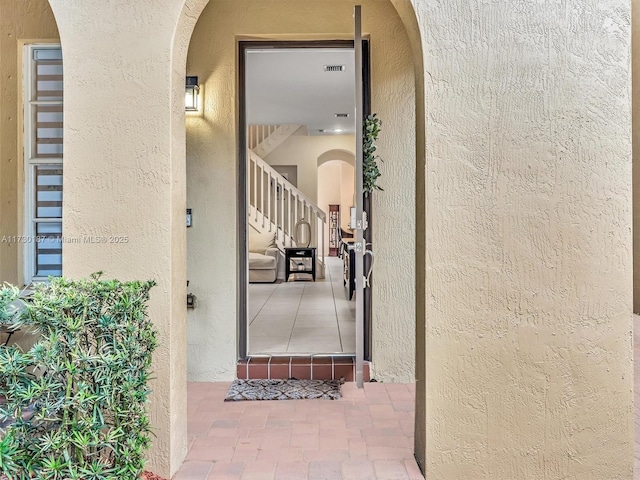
x,y
329,192
347,193
303,151
27,21
212,167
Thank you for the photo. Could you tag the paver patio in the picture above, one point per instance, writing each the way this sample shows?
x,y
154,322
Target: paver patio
x,y
366,435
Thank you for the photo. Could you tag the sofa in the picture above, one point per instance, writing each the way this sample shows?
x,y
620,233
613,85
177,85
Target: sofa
x,y
263,257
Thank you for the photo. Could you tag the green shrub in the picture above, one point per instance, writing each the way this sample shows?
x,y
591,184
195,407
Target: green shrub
x,y
8,294
370,170
82,414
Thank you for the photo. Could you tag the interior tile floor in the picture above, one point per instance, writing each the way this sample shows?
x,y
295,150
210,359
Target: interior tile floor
x,y
366,435
302,316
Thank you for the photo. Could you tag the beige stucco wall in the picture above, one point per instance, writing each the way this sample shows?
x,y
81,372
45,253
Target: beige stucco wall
x,y
528,361
635,9
124,173
28,21
211,172
523,218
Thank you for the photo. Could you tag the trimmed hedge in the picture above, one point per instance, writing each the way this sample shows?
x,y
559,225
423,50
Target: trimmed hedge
x,y
76,401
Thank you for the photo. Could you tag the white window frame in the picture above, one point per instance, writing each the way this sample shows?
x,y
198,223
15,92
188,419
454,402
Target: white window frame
x,y
29,240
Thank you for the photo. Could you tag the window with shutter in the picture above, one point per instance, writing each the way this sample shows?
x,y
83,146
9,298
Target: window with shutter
x,y
43,161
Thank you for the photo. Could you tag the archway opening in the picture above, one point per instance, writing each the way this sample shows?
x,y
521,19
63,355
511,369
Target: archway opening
x,y
212,169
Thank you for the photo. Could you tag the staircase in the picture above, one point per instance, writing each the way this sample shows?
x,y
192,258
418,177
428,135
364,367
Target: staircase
x,y
264,139
275,205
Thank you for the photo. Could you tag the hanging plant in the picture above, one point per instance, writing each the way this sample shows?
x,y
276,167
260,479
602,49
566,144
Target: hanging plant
x,y
370,170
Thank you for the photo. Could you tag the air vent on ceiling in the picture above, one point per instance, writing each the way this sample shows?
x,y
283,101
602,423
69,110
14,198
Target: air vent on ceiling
x,y
342,115
335,68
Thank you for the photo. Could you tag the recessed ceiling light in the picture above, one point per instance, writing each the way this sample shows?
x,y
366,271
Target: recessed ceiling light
x,y
338,130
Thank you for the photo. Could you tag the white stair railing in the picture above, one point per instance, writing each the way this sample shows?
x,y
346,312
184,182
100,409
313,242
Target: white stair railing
x,y
276,205
264,139
256,134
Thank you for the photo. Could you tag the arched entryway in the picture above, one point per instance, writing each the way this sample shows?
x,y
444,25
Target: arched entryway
x,y
528,277
336,187
212,174
212,165
138,179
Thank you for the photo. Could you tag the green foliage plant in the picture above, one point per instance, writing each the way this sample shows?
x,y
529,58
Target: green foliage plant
x,y
82,414
8,294
370,170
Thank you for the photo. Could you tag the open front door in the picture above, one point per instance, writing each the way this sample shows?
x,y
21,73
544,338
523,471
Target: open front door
x,y
361,221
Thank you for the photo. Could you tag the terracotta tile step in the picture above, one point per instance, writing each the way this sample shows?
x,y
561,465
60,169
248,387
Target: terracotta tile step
x,y
300,367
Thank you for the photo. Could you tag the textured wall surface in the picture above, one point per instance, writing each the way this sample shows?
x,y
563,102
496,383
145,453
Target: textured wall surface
x,y
409,16
27,21
528,227
124,173
211,172
523,212
635,9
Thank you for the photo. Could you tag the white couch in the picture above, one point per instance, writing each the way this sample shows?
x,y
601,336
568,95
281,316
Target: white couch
x,y
263,257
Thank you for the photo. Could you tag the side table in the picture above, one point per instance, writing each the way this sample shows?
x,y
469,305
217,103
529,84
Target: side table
x,y
299,253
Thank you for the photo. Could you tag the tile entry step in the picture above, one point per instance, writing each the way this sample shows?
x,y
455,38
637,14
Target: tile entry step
x,y
302,367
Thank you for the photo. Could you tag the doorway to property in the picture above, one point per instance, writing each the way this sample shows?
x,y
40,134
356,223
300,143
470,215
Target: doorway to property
x,y
297,104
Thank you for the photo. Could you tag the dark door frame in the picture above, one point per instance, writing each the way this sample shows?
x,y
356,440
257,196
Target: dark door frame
x,y
243,206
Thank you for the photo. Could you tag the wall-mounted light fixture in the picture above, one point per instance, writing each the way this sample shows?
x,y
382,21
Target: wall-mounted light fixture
x,y
191,301
191,94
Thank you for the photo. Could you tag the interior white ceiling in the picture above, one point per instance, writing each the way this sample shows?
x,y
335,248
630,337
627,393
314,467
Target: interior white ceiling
x,y
290,86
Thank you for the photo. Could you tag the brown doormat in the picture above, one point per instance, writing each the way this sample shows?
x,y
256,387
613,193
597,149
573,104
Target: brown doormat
x,y
283,390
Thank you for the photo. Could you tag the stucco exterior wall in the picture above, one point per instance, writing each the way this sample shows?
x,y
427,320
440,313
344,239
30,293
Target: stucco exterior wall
x,y
523,215
124,174
211,172
27,21
528,228
635,9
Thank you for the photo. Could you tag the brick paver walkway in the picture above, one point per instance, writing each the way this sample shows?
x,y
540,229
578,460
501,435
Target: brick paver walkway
x,y
366,435
636,380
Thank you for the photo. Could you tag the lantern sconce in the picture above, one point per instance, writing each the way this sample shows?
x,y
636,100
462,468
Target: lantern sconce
x,y
191,94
